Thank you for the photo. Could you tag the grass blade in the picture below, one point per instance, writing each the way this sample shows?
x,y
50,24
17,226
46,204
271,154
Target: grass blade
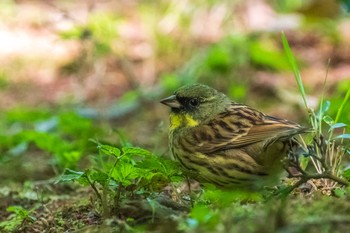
x,y
345,101
295,68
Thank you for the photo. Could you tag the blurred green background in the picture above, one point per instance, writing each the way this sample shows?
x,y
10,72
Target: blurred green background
x,y
72,71
75,70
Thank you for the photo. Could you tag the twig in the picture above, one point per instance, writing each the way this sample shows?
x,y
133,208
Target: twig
x,y
324,170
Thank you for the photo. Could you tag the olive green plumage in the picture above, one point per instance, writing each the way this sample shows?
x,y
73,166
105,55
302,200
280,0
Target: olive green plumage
x,y
223,142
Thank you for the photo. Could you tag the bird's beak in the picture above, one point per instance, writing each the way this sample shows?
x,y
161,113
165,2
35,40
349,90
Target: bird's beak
x,y
171,101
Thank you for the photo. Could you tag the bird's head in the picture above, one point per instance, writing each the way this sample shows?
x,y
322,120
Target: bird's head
x,y
197,102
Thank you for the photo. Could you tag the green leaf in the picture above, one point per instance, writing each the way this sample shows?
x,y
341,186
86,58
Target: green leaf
x,y
125,173
18,210
346,174
336,126
338,192
172,169
135,151
295,68
324,108
343,136
70,175
151,162
16,219
343,104
329,120
109,150
99,176
160,170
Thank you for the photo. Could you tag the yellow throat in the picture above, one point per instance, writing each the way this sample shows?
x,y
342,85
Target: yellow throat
x,y
178,120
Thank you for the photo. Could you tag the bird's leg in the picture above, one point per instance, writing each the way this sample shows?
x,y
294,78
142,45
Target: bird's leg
x,y
189,190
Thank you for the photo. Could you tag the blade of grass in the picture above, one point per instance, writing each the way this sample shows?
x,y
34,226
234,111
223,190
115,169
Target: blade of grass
x,y
320,116
295,68
345,101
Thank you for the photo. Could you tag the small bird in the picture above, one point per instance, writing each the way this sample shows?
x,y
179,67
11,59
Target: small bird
x,y
226,143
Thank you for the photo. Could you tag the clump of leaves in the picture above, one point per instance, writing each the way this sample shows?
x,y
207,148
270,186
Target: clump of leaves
x,y
123,174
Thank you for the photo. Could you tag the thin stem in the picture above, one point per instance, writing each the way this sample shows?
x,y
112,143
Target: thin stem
x,y
301,139
320,116
94,188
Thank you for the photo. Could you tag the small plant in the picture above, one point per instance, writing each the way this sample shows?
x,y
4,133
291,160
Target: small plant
x,y
326,151
16,219
122,174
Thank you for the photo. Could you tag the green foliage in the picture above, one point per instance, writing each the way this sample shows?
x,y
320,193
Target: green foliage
x,y
65,135
209,211
203,217
346,173
219,58
265,54
18,216
221,198
326,151
238,91
130,174
132,170
216,208
227,55
70,175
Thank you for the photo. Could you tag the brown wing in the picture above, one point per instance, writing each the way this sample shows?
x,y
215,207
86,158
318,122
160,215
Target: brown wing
x,y
239,126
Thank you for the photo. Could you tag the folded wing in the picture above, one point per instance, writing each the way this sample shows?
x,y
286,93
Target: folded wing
x,y
240,126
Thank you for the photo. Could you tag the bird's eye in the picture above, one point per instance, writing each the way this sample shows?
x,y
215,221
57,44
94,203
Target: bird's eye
x,y
194,102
